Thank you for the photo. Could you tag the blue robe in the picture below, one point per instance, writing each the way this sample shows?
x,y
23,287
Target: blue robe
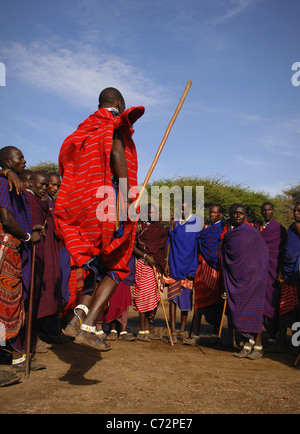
x,y
183,257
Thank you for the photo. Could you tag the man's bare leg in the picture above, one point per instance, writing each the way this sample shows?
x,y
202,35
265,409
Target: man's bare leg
x,y
102,294
73,327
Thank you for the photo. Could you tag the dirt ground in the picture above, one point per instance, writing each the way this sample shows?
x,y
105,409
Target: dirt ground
x,y
156,378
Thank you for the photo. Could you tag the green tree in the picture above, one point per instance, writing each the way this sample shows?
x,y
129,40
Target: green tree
x,y
286,201
221,191
46,166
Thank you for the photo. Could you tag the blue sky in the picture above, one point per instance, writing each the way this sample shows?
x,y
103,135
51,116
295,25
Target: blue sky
x,y
240,119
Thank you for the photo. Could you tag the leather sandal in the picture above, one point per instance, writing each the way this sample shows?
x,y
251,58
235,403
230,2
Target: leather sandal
x,y
70,331
84,340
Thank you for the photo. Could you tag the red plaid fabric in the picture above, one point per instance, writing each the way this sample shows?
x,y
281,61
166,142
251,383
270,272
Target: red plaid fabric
x,y
86,170
289,298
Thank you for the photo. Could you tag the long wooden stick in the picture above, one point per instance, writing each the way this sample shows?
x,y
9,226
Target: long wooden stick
x,y
29,319
180,104
163,306
223,314
297,361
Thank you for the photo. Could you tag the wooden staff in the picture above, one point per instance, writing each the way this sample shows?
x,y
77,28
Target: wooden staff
x,y
223,314
297,361
29,319
163,306
180,104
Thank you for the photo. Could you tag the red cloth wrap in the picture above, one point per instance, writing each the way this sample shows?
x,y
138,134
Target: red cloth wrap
x,y
85,166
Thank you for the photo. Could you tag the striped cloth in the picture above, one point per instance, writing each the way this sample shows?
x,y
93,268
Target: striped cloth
x,y
84,215
207,279
245,262
12,314
145,291
289,298
207,288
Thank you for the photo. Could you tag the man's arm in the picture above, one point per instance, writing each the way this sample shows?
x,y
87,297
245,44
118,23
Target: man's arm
x,y
11,226
119,162
13,180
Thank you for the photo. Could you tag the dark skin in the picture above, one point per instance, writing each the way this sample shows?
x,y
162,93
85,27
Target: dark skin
x,y
267,212
39,185
54,185
238,216
104,290
16,163
297,217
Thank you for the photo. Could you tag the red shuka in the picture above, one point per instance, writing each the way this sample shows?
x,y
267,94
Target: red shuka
x,y
86,191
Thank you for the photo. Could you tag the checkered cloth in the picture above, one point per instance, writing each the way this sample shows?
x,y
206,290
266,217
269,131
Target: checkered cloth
x,y
245,262
14,203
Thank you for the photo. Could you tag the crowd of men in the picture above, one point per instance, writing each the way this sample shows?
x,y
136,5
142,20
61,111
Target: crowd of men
x,y
88,270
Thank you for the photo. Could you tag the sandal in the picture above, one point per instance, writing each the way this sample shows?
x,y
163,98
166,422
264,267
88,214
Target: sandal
x,y
42,347
257,353
71,331
154,337
174,338
8,378
192,341
19,365
246,351
101,334
125,336
183,337
84,340
112,336
144,336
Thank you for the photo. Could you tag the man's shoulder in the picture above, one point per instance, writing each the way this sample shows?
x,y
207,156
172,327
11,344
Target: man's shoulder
x,y
4,183
4,189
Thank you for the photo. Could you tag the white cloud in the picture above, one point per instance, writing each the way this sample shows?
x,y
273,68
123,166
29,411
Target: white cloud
x,y
250,162
236,7
79,73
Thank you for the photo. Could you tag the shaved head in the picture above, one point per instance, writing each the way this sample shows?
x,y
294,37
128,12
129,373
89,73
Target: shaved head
x,y
111,97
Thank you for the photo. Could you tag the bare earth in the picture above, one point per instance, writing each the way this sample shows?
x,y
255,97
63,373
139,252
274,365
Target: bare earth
x,y
155,378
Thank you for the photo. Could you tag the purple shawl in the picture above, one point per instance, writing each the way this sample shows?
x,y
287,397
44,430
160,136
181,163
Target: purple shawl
x,y
245,262
47,264
275,237
208,243
291,257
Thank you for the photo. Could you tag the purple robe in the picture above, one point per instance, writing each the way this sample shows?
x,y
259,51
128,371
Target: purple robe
x,y
274,235
245,262
47,262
